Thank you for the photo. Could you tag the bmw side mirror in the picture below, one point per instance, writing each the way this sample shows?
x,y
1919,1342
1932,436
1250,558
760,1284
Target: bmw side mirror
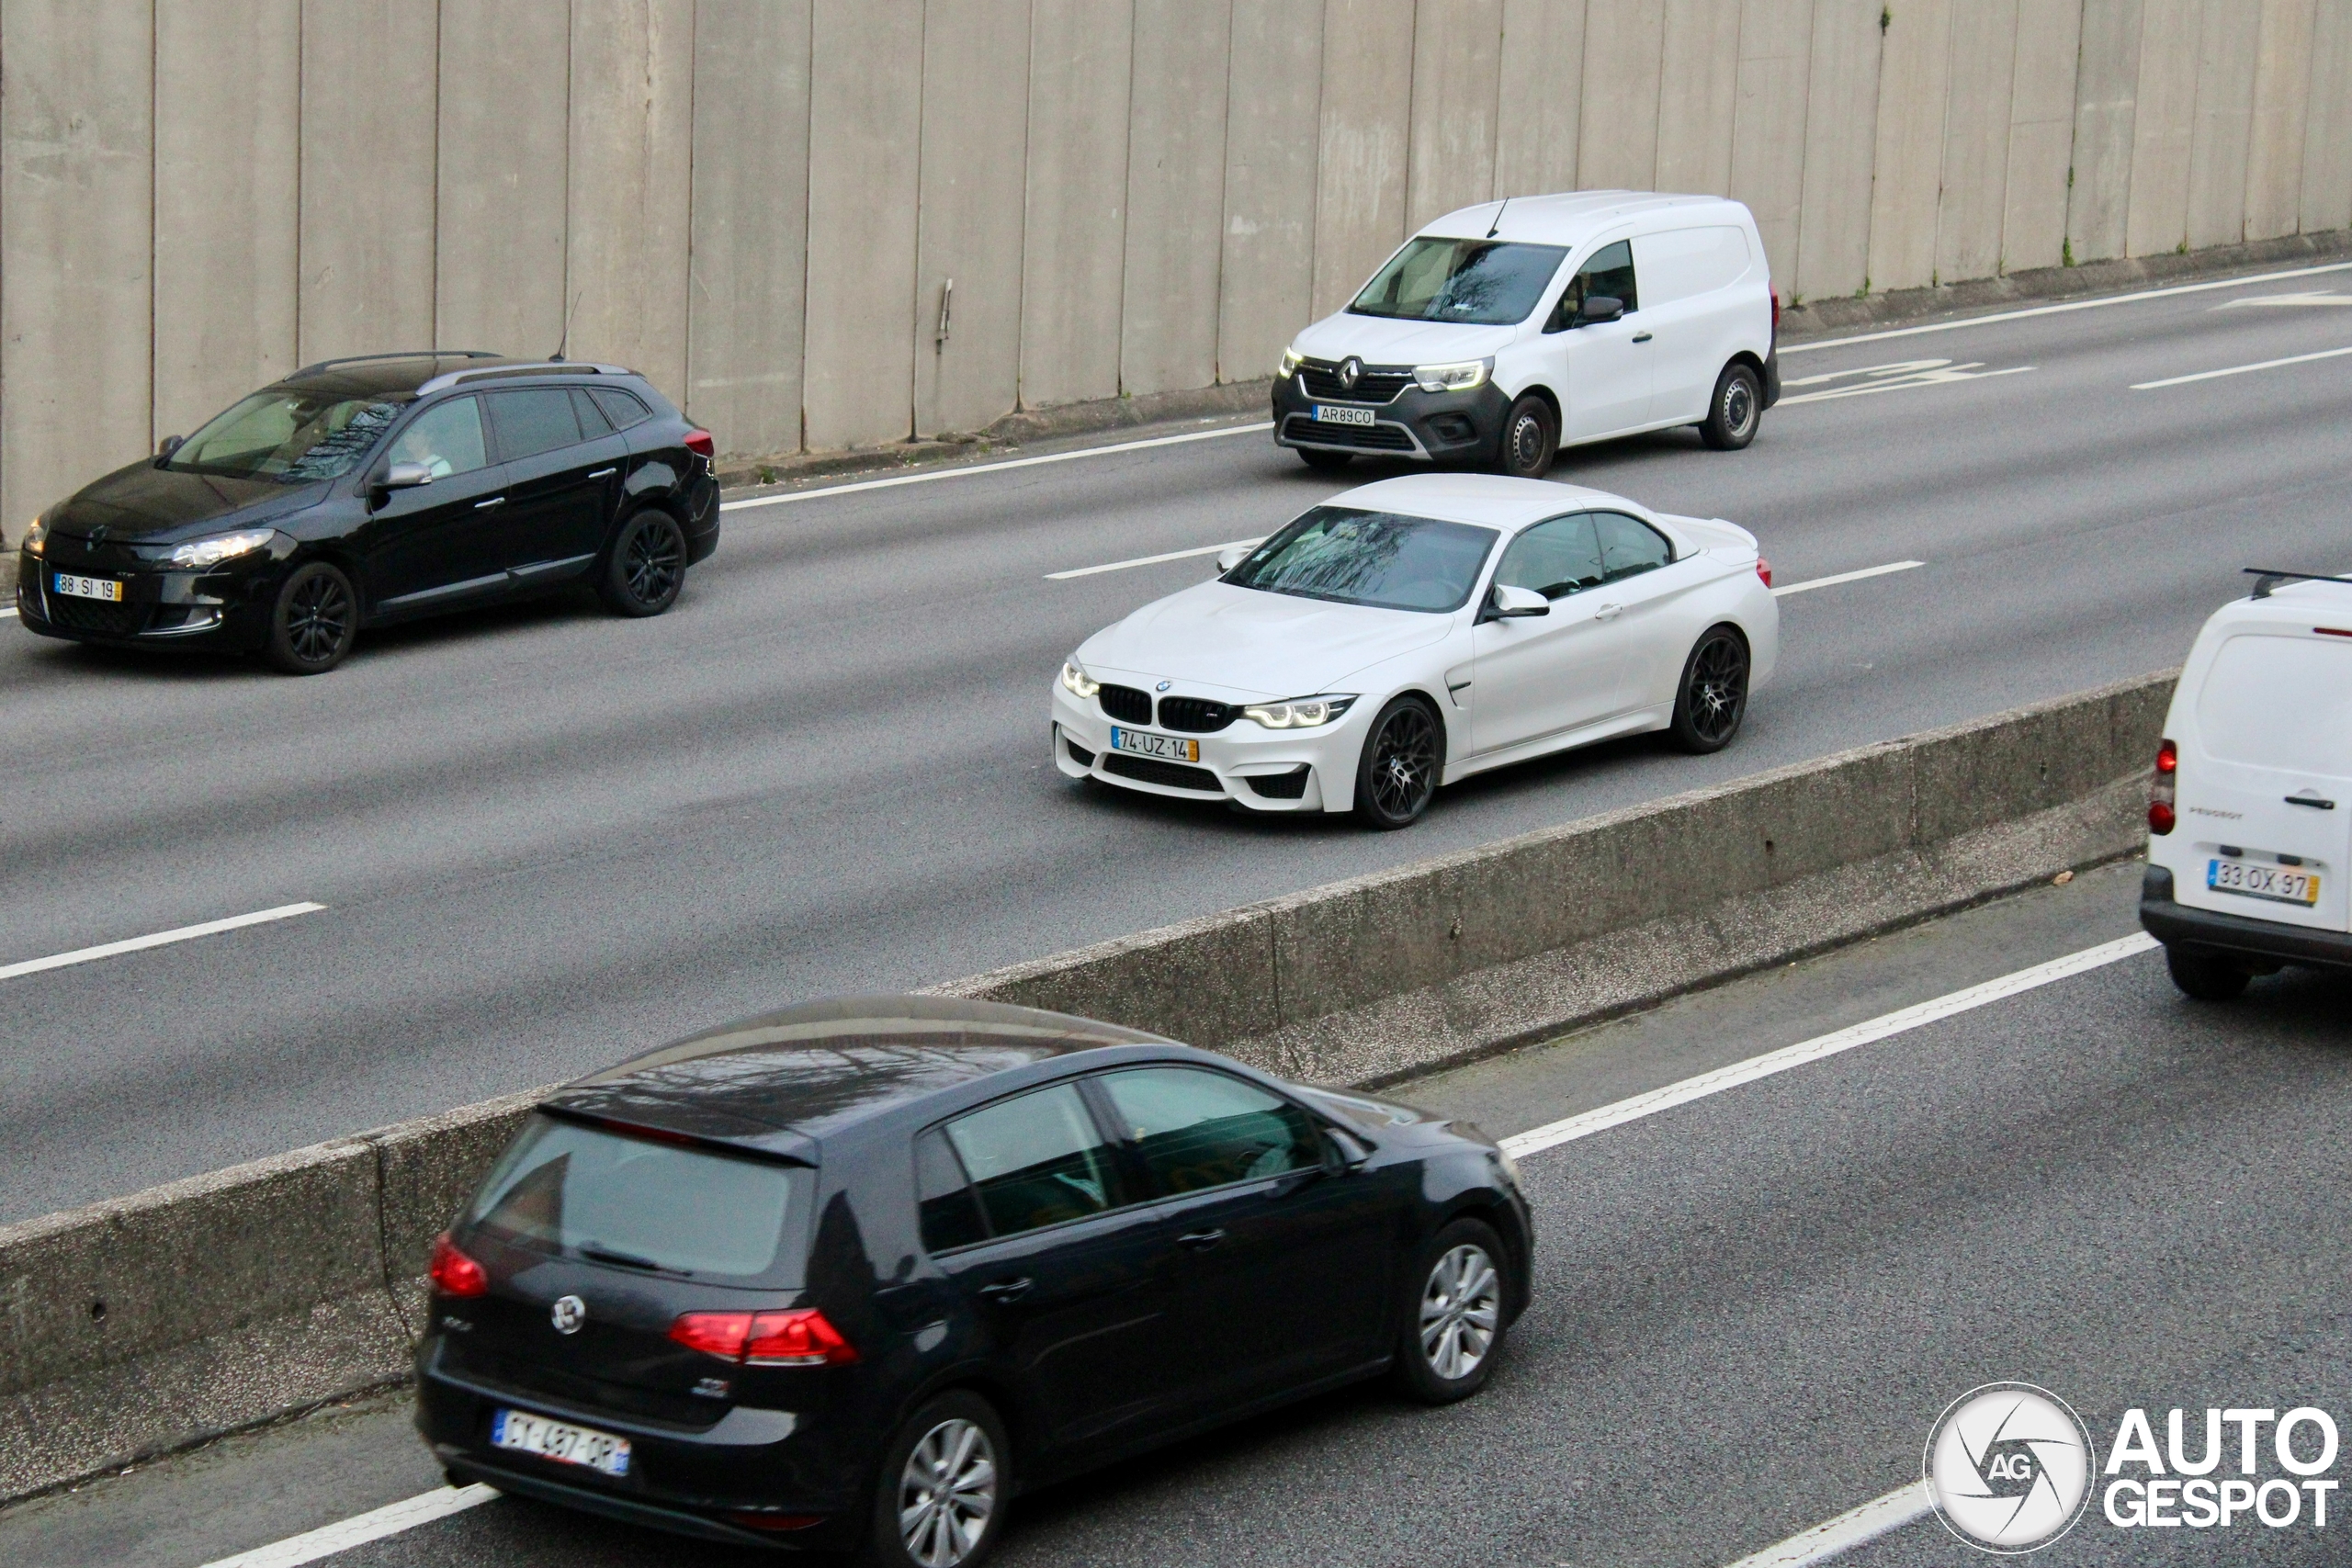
x,y
1505,602
1601,309
405,476
168,444
1231,557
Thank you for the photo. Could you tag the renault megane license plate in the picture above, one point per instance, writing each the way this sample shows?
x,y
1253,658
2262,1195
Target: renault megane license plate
x,y
2288,885
103,588
559,1440
1330,415
1166,747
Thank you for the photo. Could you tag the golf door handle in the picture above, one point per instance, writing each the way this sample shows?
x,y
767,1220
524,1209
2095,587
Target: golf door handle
x,y
1008,1290
1200,1241
603,473
486,505
1641,337
1608,611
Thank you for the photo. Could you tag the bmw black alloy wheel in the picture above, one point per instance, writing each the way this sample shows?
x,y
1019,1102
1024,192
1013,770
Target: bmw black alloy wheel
x,y
1400,769
1714,692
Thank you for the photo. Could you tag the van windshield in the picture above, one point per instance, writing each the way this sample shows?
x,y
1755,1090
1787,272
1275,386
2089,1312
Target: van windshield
x,y
1486,283
588,1193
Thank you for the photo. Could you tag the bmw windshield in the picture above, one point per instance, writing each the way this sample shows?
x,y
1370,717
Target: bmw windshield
x,y
1486,283
1382,559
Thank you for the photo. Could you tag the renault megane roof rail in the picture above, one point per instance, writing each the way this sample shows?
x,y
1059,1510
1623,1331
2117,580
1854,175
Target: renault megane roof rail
x,y
2268,578
398,353
528,368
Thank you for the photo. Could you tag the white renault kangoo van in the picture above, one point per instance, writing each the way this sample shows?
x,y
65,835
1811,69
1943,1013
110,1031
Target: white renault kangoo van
x,y
2250,819
1504,331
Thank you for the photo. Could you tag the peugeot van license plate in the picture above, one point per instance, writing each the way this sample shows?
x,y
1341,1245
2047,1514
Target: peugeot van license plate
x,y
1165,746
103,588
1330,415
2285,883
559,1440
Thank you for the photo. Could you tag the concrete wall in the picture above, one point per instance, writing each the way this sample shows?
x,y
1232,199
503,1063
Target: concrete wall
x,y
760,203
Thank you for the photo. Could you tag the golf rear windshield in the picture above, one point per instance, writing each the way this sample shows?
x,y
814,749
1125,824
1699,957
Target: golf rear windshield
x,y
604,1198
1377,559
1485,283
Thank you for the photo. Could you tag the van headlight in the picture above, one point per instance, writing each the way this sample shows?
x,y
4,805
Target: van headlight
x,y
37,537
198,554
1077,682
1292,360
1298,713
1452,377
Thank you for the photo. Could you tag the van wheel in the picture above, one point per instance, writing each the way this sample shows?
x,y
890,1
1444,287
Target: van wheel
x,y
1325,462
1736,410
2206,978
1530,439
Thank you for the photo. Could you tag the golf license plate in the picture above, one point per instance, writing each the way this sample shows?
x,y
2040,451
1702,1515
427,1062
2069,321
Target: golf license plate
x,y
1330,415
105,588
2284,883
559,1440
1165,746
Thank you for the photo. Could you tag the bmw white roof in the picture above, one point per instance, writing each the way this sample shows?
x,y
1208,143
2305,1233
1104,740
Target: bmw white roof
x,y
1567,218
1490,500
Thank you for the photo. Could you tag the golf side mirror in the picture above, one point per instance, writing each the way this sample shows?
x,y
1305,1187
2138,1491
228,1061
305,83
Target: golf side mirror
x,y
1231,557
1505,602
405,476
1601,307
1350,1153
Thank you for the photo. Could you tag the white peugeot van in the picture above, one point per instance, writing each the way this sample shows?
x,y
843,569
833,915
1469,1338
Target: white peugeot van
x,y
2250,819
1504,331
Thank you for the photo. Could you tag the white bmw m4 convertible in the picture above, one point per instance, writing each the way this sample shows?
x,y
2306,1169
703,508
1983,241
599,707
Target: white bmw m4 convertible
x,y
1416,631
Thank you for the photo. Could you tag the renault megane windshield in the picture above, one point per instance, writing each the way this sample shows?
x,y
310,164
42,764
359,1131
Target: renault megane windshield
x,y
1378,559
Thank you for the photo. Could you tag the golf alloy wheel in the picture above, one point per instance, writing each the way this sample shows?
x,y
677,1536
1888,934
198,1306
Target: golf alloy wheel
x,y
1461,1309
947,1494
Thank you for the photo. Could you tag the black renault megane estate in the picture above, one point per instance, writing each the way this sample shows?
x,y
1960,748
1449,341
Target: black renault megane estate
x,y
358,492
853,1275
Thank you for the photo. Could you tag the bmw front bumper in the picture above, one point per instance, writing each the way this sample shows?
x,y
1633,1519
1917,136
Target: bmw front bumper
x,y
1246,763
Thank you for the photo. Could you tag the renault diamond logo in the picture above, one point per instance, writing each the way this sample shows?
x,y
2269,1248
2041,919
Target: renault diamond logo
x,y
569,1313
1163,685
1351,372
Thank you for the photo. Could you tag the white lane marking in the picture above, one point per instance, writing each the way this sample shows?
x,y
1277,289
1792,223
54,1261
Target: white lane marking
x,y
1809,586
2069,305
2236,369
2317,297
927,477
361,1528
160,939
1148,560
9,611
1895,378
1848,1530
1569,1129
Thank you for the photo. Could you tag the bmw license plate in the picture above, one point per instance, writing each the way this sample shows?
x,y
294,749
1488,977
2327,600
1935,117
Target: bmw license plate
x,y
2284,883
559,1440
1144,744
103,588
1327,415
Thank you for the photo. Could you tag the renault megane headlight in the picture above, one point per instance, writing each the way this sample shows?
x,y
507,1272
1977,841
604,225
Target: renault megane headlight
x,y
1452,377
198,554
37,537
1298,713
1078,682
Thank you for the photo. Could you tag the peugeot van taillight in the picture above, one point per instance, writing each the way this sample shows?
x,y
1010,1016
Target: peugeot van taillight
x,y
798,1338
2164,793
455,1274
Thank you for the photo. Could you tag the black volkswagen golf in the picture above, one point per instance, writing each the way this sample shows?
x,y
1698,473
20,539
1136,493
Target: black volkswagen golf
x,y
358,492
853,1275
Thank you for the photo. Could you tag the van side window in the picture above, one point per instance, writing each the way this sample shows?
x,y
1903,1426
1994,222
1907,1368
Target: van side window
x,y
1553,558
944,1198
1608,274
1629,545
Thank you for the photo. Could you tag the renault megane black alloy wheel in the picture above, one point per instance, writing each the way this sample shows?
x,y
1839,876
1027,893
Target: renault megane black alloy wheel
x,y
648,566
314,622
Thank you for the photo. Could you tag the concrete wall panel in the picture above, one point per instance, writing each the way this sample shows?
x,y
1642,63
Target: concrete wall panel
x,y
1698,96
2282,79
1167,313
1074,236
1624,45
630,173
2107,90
1366,117
2327,135
2041,133
228,148
864,145
1768,132
745,299
77,130
1457,57
367,179
1841,150
1269,138
504,143
2226,64
1913,78
975,113
1977,109
1541,93
2163,126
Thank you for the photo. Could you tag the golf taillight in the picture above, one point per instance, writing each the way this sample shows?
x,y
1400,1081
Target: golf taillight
x,y
1764,571
453,1273
700,444
2163,792
797,1338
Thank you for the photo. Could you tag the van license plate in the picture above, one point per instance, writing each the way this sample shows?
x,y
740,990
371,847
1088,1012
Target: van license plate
x,y
103,588
559,1440
1330,415
2284,883
1166,747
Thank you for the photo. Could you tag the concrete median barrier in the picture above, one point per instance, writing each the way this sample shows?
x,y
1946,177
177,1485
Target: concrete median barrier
x,y
149,1321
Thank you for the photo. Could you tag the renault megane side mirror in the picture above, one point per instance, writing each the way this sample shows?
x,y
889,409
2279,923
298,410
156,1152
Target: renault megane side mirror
x,y
406,476
1505,602
168,444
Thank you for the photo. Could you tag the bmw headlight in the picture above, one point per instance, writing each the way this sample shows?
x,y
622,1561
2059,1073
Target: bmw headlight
x,y
1452,377
1299,713
198,554
1078,682
37,537
1292,360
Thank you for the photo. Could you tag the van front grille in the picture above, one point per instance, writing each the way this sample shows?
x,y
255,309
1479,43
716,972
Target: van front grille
x,y
1376,385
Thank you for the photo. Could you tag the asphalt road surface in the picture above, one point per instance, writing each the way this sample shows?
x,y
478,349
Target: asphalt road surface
x,y
545,839
1749,1308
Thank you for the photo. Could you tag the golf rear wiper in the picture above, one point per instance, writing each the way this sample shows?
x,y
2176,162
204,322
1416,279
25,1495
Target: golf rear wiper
x,y
595,1254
